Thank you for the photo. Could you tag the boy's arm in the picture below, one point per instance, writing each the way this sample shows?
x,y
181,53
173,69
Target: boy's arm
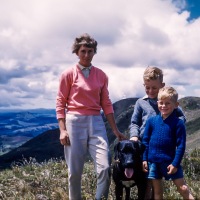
x,y
180,114
180,143
145,166
136,121
146,139
171,169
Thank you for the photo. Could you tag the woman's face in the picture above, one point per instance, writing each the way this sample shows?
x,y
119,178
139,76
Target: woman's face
x,y
85,55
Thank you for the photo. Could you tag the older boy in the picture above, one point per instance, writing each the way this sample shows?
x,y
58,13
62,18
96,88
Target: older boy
x,y
165,140
147,107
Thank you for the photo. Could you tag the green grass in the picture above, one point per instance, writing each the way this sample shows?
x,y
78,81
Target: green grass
x,y
30,180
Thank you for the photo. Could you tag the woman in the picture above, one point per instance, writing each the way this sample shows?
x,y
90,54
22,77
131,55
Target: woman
x,y
82,93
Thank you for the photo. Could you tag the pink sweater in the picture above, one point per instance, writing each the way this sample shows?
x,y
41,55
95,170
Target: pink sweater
x,y
84,96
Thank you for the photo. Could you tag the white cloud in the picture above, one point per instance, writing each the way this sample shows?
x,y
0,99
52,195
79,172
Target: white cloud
x,y
36,38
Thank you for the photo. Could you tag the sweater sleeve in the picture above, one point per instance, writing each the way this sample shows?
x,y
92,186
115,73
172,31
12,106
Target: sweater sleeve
x,y
63,93
180,143
105,101
136,121
180,114
146,139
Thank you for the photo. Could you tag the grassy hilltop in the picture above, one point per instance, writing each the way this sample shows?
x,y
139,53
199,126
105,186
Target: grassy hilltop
x,y
31,180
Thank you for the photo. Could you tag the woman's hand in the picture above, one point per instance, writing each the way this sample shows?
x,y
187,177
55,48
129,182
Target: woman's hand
x,y
119,135
64,137
111,120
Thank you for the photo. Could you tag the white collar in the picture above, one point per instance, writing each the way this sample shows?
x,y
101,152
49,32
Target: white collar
x,y
146,97
82,67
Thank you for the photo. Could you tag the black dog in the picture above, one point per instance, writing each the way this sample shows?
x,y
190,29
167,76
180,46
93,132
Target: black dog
x,y
127,170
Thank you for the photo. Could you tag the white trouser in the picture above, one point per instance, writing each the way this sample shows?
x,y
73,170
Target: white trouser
x,y
87,133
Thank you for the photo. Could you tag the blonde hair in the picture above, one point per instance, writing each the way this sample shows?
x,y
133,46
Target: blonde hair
x,y
166,92
85,40
153,73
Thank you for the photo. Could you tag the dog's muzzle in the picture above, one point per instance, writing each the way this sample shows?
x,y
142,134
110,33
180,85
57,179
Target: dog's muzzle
x,y
128,172
128,166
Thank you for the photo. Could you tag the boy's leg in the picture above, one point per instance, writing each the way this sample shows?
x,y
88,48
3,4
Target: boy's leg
x,y
157,189
149,190
183,188
155,180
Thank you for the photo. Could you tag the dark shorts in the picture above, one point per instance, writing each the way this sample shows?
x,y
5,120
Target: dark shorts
x,y
159,170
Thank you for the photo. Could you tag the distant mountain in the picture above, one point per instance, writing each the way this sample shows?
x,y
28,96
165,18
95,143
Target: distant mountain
x,y
19,126
191,108
47,145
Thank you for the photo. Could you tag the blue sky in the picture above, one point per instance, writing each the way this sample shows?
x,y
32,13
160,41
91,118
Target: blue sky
x,y
193,6
36,38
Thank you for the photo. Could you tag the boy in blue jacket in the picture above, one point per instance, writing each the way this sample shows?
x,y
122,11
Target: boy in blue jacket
x,y
165,140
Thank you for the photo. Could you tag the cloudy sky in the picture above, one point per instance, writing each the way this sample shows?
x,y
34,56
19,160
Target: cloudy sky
x,y
36,38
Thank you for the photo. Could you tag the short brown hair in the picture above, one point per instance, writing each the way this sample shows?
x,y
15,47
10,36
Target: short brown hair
x,y
85,40
168,92
153,73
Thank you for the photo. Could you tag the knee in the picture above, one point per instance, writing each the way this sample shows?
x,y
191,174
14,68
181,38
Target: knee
x,y
74,175
183,189
103,167
104,171
107,169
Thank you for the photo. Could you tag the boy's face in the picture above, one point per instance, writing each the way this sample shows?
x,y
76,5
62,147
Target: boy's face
x,y
166,106
152,88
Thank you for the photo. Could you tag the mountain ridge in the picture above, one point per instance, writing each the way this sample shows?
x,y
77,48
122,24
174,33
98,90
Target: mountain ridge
x,y
47,145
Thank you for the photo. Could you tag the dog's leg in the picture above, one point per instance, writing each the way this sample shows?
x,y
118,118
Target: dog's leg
x,y
141,186
127,193
119,191
141,192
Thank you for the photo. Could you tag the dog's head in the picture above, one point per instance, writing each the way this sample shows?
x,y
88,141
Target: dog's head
x,y
128,156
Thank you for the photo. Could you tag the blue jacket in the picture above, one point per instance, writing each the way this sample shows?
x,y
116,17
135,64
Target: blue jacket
x,y
143,110
165,140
